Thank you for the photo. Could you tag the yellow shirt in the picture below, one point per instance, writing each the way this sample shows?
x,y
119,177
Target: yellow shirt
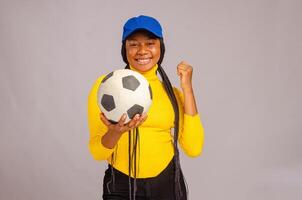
x,y
156,139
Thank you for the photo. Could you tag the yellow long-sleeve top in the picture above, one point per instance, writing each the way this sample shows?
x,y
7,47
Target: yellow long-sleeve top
x,y
156,139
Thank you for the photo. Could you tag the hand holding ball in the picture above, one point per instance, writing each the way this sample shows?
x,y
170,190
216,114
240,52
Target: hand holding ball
x,y
124,91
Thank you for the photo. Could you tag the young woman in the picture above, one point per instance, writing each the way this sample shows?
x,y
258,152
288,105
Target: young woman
x,y
143,155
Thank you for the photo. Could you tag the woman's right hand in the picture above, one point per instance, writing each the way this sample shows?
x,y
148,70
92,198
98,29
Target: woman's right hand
x,y
121,127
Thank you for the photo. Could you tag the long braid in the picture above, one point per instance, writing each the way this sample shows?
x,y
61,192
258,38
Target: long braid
x,y
112,178
129,163
132,162
169,90
134,158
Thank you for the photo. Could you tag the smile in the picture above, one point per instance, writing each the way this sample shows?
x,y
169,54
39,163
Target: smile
x,y
143,61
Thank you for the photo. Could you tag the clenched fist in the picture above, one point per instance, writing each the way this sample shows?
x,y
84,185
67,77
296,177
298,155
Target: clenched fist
x,y
185,71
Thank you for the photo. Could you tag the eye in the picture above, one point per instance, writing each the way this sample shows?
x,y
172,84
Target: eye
x,y
151,43
133,45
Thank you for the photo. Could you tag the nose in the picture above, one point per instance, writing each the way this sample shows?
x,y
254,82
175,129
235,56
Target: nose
x,y
142,50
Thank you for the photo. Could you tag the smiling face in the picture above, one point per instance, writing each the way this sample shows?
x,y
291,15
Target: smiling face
x,y
142,50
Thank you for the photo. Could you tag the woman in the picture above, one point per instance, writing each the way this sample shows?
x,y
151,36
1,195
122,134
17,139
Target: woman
x,y
142,155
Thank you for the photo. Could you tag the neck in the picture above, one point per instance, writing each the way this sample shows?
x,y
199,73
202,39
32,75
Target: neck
x,y
150,74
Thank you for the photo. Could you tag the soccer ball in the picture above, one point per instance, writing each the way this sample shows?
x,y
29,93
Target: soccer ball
x,y
124,91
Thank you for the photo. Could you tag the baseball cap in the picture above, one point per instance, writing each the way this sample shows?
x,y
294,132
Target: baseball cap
x,y
142,22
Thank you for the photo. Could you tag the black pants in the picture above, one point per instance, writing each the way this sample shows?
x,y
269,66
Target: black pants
x,y
160,187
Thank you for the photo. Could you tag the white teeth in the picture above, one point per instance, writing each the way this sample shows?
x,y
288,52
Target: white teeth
x,y
143,61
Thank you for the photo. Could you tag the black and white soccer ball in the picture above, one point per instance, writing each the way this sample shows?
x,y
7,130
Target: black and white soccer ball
x,y
124,91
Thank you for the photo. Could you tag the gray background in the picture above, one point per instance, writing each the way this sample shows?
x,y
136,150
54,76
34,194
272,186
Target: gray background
x,y
247,77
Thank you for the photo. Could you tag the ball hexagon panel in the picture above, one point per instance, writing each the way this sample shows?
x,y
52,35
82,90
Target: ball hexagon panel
x,y
130,82
135,109
108,102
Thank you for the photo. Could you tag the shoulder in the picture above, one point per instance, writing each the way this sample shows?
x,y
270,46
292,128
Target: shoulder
x,y
96,84
98,81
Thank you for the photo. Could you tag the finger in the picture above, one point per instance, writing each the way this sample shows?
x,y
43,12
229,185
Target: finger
x,y
143,115
136,117
181,65
139,119
104,119
187,70
182,70
184,62
184,67
121,122
131,124
133,121
142,119
137,122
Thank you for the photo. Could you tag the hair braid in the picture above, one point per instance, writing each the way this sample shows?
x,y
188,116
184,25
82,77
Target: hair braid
x,y
169,90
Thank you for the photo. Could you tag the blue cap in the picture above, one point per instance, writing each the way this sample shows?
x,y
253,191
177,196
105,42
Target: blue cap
x,y
142,23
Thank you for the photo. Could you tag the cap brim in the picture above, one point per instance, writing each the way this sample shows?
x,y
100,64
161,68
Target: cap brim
x,y
141,29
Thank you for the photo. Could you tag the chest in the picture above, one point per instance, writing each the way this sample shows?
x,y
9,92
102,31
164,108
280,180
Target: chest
x,y
161,113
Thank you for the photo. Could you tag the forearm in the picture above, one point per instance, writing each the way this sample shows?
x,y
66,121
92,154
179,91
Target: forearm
x,y
190,107
110,139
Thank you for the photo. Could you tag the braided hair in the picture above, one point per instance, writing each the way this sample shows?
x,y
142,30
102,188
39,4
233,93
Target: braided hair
x,y
169,90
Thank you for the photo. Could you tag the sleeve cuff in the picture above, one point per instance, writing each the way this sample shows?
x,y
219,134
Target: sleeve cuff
x,y
99,151
192,123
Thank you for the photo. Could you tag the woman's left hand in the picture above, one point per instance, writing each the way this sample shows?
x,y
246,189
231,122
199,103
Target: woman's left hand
x,y
185,71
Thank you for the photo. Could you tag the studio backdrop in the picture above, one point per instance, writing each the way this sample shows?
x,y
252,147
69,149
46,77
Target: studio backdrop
x,y
246,58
